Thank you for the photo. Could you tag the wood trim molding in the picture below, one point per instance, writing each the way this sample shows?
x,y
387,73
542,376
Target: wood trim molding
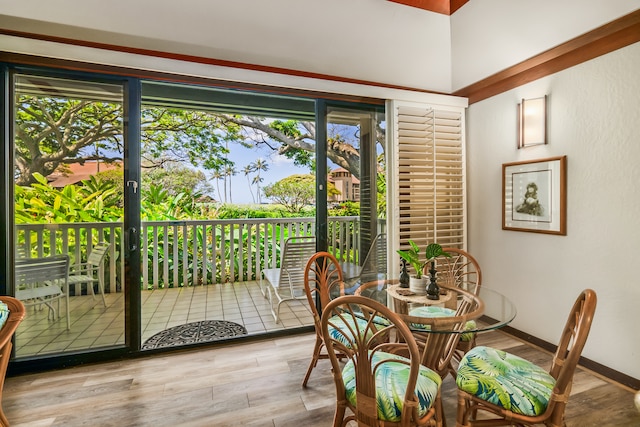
x,y
200,60
446,7
605,39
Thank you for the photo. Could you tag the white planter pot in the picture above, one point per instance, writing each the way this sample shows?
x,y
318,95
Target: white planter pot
x,y
418,286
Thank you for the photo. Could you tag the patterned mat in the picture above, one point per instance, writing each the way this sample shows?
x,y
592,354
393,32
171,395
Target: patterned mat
x,y
195,332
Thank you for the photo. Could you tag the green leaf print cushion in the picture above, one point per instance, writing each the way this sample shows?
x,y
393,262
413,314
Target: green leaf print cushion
x,y
340,328
436,311
505,380
391,385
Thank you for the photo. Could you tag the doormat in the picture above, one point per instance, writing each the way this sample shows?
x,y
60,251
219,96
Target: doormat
x,y
195,332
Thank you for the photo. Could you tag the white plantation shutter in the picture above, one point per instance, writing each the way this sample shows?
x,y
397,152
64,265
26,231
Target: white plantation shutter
x,y
429,196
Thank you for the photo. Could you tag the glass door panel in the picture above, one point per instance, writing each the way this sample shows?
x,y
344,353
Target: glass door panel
x,y
68,193
356,196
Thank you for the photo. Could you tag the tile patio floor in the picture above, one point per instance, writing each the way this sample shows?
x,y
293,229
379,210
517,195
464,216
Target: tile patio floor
x,y
95,326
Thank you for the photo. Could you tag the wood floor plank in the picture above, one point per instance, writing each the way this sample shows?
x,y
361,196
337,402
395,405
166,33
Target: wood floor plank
x,y
254,384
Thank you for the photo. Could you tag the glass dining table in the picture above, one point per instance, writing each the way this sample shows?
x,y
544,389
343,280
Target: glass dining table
x,y
455,314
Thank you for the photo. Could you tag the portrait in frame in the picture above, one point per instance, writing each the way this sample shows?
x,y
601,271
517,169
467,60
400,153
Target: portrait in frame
x,y
534,196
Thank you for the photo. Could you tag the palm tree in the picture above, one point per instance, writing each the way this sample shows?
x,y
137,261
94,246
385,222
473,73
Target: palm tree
x,y
247,170
259,165
217,175
229,171
256,181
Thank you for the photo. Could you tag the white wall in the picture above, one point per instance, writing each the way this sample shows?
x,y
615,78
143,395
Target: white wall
x,y
593,114
491,35
371,40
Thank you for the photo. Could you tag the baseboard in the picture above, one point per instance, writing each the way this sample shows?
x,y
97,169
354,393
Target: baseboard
x,y
595,367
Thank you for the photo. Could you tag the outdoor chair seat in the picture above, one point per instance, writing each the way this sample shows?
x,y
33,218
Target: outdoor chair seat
x,y
91,271
286,282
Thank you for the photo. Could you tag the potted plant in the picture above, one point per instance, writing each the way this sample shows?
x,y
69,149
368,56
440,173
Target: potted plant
x,y
418,283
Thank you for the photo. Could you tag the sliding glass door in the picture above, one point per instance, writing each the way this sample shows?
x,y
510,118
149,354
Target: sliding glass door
x,y
352,180
68,157
167,201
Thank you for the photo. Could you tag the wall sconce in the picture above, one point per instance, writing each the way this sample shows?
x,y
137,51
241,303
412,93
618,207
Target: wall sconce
x,y
532,122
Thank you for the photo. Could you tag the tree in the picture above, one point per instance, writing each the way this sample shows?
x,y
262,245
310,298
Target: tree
x,y
54,131
260,165
218,175
229,171
295,192
51,132
296,140
247,170
175,179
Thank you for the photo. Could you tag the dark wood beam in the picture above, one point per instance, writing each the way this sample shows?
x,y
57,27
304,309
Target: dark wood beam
x,y
607,38
446,7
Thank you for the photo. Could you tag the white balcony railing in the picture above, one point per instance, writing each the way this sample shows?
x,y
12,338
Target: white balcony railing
x,y
187,253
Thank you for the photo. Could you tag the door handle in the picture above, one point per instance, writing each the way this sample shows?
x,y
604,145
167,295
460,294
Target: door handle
x,y
133,239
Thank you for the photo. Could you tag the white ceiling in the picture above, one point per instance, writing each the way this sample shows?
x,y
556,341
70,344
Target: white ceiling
x,y
368,40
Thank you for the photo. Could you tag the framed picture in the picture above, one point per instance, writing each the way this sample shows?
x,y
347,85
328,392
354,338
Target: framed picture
x,y
534,195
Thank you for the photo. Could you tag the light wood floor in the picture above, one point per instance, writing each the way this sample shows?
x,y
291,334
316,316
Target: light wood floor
x,y
245,384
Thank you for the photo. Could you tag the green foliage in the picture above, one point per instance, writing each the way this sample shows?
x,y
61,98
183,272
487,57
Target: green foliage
x,y
52,131
176,179
158,205
290,128
95,200
412,256
345,209
197,137
229,211
294,192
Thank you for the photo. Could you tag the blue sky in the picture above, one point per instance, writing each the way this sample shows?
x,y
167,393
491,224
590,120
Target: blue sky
x,y
279,167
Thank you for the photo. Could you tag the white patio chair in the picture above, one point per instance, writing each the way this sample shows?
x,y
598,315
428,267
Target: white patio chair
x,y
287,282
43,281
374,265
92,271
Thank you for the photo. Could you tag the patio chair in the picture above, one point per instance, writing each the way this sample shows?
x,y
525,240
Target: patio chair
x,y
322,281
507,389
92,271
382,381
43,281
286,283
374,263
12,311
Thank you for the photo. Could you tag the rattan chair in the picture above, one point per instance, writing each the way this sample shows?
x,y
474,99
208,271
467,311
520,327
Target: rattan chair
x,y
499,388
322,280
377,385
12,320
460,270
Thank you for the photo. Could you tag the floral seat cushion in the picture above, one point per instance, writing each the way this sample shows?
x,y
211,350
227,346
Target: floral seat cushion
x,y
340,328
435,311
391,385
505,380
4,313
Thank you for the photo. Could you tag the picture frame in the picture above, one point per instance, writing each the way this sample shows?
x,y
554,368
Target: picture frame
x,y
534,194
